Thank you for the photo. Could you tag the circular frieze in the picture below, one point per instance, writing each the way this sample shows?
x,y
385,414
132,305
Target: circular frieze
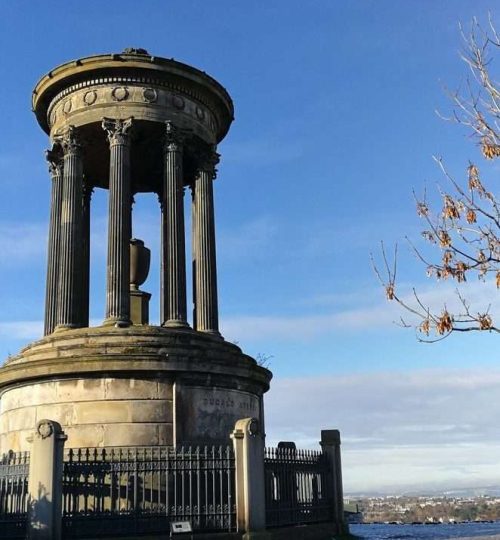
x,y
45,429
90,97
178,102
53,117
67,106
119,93
200,113
150,95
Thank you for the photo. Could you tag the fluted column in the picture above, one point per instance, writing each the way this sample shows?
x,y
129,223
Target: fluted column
x,y
55,159
173,282
70,251
205,266
86,197
193,252
119,222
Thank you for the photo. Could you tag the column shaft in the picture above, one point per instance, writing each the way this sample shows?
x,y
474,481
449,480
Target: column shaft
x,y
70,254
173,241
207,318
193,253
54,157
119,223
87,195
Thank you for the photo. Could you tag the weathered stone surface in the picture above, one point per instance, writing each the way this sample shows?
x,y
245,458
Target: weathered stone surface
x,y
207,415
130,434
19,419
101,381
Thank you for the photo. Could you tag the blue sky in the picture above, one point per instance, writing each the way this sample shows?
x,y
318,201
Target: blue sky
x,y
335,124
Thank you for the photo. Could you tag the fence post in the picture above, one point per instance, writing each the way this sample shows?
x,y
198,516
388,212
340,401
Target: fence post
x,y
45,481
248,442
330,443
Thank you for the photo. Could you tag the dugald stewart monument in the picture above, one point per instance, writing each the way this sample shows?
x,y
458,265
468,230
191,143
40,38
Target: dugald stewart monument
x,y
106,423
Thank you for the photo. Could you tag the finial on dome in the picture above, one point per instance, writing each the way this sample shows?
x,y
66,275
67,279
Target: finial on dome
x,y
131,50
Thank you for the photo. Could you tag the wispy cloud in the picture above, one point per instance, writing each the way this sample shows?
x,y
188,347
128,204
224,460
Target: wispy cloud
x,y
378,314
399,430
26,330
263,151
254,238
22,241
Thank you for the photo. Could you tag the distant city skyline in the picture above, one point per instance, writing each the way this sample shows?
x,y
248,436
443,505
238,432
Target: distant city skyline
x,y
335,124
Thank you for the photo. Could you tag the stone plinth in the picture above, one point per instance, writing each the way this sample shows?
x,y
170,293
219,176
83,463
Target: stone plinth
x,y
140,386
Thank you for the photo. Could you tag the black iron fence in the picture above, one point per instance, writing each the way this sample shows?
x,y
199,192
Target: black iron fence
x,y
139,490
298,487
113,491
14,471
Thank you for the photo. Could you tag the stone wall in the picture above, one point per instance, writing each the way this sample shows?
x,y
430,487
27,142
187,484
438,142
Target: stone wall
x,y
94,412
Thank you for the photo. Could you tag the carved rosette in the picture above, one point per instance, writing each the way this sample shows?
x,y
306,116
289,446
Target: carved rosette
x,y
45,429
118,131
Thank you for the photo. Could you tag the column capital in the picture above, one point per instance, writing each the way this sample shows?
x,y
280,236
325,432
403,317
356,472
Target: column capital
x,y
69,140
208,161
55,159
118,131
174,137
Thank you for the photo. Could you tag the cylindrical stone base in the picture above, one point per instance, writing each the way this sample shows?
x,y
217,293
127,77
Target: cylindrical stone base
x,y
136,386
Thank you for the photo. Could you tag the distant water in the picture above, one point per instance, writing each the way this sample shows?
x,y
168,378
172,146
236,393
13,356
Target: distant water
x,y
428,532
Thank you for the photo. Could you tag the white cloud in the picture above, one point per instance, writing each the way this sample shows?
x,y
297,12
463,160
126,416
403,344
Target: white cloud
x,y
400,430
26,330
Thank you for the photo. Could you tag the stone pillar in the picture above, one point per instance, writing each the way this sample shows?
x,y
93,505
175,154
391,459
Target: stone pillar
x,y
248,443
55,159
119,222
193,253
330,444
70,250
45,481
87,195
205,265
173,268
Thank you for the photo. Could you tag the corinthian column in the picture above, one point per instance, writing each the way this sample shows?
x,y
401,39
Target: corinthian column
x,y
173,271
86,197
70,250
204,261
55,159
119,222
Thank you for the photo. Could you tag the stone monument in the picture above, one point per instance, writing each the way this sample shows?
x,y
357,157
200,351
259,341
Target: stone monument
x,y
130,123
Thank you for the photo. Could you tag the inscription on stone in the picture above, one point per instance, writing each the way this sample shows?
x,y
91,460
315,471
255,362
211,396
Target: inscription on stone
x,y
209,412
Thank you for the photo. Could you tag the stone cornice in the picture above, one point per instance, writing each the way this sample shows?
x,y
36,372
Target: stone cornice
x,y
133,69
123,352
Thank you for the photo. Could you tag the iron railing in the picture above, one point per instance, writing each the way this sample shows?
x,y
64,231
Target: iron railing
x,y
298,487
14,471
140,490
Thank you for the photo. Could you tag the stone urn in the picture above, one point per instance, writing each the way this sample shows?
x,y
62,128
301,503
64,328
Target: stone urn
x,y
140,257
